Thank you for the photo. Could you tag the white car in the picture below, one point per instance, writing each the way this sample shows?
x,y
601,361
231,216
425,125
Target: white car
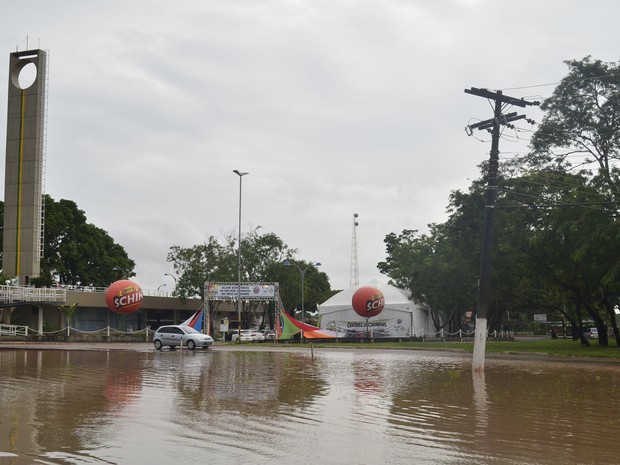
x,y
248,335
180,335
257,336
245,336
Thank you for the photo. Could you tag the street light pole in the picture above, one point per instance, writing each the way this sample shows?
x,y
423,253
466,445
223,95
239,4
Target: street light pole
x,y
302,272
173,277
241,174
118,268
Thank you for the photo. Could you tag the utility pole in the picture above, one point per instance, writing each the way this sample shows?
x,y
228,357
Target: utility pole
x,y
484,279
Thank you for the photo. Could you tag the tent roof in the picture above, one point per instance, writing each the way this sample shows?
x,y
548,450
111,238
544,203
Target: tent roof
x,y
393,296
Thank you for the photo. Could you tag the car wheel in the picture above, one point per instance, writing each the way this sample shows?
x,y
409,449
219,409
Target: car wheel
x,y
191,345
157,343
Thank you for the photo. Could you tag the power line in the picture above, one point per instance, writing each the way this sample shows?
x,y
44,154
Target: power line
x,y
533,86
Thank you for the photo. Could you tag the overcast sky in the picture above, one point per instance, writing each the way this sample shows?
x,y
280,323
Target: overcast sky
x,y
334,108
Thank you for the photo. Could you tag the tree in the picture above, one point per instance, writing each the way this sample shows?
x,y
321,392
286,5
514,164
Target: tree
x,y
556,223
77,252
582,117
554,237
435,269
200,263
262,255
68,311
316,286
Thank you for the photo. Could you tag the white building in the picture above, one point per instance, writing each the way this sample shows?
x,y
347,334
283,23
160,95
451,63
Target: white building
x,y
400,317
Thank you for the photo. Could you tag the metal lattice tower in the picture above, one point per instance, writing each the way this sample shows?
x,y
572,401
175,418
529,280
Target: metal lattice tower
x,y
355,268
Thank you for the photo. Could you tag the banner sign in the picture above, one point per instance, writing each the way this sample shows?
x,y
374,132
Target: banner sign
x,y
247,291
540,317
386,327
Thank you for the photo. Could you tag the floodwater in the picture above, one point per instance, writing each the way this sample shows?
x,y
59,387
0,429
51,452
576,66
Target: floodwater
x,y
339,406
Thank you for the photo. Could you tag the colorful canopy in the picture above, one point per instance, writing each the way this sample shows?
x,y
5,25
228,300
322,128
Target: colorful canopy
x,y
287,327
195,321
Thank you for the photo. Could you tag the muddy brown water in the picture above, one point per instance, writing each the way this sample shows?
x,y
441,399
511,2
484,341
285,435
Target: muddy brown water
x,y
336,407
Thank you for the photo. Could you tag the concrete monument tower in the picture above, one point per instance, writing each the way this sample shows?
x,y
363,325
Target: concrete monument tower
x,y
23,185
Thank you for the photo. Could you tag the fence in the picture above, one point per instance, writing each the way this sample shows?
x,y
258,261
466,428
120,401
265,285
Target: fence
x,y
462,334
109,332
17,294
13,330
69,332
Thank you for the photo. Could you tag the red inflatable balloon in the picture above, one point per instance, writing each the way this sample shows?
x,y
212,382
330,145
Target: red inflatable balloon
x,y
368,301
124,296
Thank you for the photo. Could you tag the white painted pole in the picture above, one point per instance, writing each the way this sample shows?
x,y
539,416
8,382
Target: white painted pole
x,y
480,342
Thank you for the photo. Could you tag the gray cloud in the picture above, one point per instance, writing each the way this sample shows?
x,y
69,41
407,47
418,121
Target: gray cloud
x,y
334,107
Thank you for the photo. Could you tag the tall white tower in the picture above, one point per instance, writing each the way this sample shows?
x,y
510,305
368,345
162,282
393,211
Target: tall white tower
x,y
355,268
24,167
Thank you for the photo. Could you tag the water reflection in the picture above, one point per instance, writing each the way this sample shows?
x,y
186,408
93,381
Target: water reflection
x,y
338,407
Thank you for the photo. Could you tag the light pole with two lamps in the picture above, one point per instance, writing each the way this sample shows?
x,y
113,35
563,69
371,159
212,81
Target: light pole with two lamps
x,y
173,277
302,272
118,268
241,174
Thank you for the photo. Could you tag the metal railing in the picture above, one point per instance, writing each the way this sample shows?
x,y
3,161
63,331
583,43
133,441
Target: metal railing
x,y
16,294
14,330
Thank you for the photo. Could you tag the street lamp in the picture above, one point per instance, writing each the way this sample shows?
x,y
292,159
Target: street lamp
x,y
241,174
160,286
302,272
118,268
173,277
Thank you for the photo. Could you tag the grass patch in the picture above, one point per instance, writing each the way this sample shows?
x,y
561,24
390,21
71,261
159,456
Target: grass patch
x,y
557,347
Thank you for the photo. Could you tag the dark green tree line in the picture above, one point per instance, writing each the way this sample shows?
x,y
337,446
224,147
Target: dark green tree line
x,y
556,221
76,252
262,257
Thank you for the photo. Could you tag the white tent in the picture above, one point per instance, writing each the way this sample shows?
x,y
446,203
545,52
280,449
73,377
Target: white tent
x,y
399,318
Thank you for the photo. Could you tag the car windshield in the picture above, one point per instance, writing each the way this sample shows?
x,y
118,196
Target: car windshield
x,y
189,329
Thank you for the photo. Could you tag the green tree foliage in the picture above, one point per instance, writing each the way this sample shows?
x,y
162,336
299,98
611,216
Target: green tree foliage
x,y
556,222
316,286
439,268
200,263
555,248
582,117
68,311
77,252
581,130
262,255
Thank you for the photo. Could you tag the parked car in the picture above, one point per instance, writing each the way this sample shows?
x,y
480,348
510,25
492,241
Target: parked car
x,y
270,334
248,335
593,334
245,336
180,335
258,336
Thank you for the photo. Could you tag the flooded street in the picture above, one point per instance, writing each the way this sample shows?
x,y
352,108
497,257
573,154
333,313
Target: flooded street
x,y
339,407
